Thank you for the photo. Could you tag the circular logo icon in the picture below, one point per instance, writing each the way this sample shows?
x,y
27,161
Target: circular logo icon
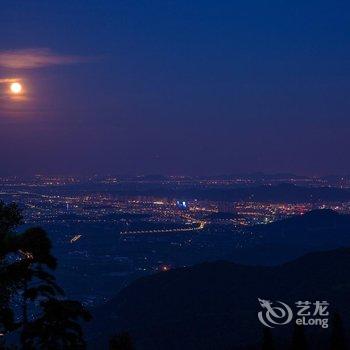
x,y
274,313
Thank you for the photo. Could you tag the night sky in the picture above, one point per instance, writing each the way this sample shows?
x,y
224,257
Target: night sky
x,y
175,87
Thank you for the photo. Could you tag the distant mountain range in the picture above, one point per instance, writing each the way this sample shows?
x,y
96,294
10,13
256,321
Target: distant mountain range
x,y
316,228
215,305
280,193
287,239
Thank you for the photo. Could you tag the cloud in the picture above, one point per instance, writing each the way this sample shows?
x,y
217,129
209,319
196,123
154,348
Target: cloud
x,y
37,58
8,80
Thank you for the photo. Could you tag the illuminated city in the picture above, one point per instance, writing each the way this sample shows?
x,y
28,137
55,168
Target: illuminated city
x,y
174,175
122,226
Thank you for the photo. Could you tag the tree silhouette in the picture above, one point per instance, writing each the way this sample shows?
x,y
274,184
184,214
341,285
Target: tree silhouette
x,y
121,341
299,341
10,219
58,327
338,341
26,263
267,340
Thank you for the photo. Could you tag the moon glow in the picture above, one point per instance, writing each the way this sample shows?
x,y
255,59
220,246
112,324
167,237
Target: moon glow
x,y
16,88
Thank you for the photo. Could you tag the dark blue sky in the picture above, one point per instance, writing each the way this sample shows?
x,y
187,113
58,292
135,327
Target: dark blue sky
x,y
176,87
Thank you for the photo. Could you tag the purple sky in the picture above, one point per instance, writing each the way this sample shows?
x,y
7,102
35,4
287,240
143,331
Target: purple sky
x,y
175,87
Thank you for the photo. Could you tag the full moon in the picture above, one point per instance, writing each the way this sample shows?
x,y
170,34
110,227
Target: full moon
x,y
16,88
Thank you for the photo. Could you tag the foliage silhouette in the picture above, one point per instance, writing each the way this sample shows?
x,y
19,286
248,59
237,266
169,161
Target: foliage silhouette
x,y
267,340
299,341
121,341
338,341
57,328
26,265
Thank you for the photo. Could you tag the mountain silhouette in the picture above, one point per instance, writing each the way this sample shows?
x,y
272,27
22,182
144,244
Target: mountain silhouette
x,y
290,238
283,192
318,228
215,305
